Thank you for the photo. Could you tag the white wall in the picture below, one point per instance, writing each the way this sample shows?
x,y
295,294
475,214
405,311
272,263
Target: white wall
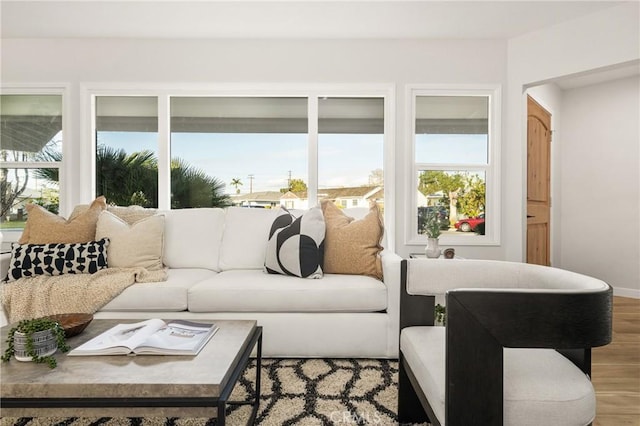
x,y
399,62
600,183
599,40
602,39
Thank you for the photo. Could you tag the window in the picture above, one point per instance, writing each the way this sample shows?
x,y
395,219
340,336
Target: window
x,y
455,146
126,149
31,140
241,146
254,149
351,150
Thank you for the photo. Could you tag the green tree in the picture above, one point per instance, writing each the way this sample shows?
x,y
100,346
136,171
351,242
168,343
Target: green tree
x,y
192,187
10,191
295,185
235,182
126,179
123,177
434,181
472,200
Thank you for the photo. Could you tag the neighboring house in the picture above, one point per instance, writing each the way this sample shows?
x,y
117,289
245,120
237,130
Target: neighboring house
x,y
265,199
348,197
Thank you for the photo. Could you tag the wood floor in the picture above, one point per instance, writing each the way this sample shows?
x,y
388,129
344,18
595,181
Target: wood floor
x,y
616,368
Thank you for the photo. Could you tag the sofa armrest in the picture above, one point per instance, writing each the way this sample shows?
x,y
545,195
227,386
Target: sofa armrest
x,y
391,263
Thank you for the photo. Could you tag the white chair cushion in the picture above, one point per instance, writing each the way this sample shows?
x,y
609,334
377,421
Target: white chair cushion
x,y
170,295
192,238
256,291
540,385
244,241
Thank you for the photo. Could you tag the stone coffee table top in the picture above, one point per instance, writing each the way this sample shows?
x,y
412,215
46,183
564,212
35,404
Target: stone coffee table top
x,y
122,376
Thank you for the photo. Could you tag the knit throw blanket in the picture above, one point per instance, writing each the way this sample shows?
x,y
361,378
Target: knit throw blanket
x,y
43,295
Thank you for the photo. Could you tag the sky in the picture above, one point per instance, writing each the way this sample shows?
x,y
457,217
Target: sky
x,y
343,160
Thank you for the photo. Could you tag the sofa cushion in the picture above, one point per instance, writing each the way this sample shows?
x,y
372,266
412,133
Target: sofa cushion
x,y
139,244
255,291
538,383
44,227
296,244
169,295
352,246
192,237
29,260
244,241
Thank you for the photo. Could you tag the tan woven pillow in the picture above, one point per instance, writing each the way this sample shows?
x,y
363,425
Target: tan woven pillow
x,y
44,227
138,245
130,214
352,246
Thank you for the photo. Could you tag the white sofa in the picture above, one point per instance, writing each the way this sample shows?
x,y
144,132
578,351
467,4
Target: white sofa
x,y
215,261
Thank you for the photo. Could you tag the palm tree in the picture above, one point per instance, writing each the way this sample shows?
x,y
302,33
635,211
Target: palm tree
x,y
236,182
191,187
126,179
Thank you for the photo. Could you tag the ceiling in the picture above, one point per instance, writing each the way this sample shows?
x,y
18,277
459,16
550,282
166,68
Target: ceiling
x,y
287,19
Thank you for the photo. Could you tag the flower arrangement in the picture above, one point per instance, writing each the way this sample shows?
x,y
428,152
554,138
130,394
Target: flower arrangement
x,y
28,328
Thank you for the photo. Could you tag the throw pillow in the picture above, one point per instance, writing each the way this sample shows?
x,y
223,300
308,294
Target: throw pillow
x,y
130,214
352,246
44,227
29,260
140,244
296,245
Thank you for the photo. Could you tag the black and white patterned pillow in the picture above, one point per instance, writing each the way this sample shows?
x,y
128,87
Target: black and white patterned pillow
x,y
30,260
296,245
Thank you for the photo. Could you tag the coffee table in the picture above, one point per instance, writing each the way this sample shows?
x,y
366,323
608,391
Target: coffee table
x,y
135,386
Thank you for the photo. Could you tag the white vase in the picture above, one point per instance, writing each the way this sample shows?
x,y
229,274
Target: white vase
x,y
433,248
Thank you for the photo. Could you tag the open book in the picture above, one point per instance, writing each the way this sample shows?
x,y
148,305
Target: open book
x,y
150,337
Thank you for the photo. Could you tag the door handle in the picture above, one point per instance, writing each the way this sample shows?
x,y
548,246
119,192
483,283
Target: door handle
x,y
530,216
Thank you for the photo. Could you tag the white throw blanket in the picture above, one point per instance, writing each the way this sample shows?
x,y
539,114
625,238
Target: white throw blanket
x,y
44,295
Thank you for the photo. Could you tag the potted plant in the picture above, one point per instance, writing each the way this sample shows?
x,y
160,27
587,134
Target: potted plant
x,y
440,315
35,340
433,232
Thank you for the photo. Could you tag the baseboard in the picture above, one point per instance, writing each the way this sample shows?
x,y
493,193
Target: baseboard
x,y
626,292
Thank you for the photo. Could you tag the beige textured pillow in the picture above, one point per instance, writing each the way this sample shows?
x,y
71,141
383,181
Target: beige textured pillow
x,y
130,214
352,246
44,227
137,245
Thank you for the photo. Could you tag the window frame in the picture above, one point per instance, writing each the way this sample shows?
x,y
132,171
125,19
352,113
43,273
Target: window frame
x,y
64,201
491,169
164,92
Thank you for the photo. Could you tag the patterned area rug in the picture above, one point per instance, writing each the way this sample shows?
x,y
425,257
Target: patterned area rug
x,y
293,392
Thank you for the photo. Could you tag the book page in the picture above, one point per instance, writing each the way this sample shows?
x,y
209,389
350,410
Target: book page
x,y
121,339
178,337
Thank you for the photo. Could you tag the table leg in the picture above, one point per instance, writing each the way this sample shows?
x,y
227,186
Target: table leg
x,y
244,361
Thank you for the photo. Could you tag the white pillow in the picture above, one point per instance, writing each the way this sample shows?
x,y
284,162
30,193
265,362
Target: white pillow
x,y
244,241
136,245
296,245
193,237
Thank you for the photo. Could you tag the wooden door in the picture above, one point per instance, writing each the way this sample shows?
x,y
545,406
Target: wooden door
x,y
538,183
